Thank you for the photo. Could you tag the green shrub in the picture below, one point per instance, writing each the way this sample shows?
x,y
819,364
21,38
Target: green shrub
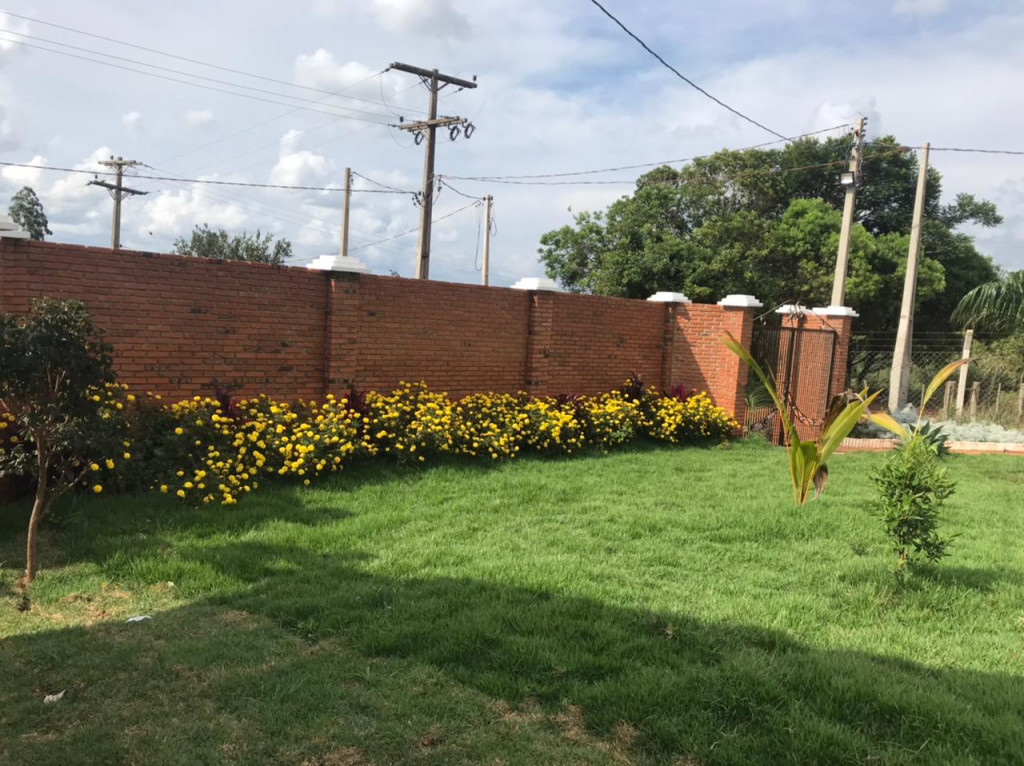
x,y
912,486
64,419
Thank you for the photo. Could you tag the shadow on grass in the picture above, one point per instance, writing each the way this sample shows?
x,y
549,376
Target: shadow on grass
x,y
720,693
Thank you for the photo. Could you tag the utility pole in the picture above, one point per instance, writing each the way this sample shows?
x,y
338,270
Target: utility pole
x,y
118,192
344,213
427,129
961,386
899,376
850,180
487,240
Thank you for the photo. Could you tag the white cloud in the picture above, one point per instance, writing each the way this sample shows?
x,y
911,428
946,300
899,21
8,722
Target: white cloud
x,y
437,17
174,213
17,27
321,70
303,168
920,7
132,120
199,118
25,176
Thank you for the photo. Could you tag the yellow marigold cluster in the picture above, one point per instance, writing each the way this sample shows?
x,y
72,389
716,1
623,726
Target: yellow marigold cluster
x,y
205,450
695,419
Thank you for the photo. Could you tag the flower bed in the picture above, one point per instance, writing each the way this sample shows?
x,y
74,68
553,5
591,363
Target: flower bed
x,y
207,450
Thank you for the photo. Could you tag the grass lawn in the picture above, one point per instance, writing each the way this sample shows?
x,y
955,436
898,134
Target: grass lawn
x,y
654,606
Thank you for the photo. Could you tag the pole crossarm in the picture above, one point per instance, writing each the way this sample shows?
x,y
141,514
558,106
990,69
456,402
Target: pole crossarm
x,y
432,73
113,187
440,122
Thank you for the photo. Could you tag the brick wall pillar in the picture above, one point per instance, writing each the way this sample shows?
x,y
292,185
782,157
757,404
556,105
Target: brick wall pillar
x,y
538,344
341,337
738,319
811,388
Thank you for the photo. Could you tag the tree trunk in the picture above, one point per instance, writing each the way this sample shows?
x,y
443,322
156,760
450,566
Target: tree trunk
x,y
38,511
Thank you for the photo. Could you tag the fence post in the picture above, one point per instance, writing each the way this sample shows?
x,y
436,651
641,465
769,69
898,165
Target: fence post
x,y
975,388
947,398
1020,404
961,390
999,395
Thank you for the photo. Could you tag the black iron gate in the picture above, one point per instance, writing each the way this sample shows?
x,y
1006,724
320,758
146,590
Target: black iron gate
x,y
800,361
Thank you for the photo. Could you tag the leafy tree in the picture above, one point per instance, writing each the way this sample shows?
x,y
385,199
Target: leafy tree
x,y
209,243
55,393
27,211
767,222
997,305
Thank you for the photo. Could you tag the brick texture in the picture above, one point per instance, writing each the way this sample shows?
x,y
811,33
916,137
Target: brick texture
x,y
179,323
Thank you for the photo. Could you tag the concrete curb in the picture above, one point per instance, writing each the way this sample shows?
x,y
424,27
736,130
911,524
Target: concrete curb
x,y
960,448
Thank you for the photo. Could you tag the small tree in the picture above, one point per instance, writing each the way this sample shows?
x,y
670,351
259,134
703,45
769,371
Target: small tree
x,y
27,211
209,243
55,392
912,486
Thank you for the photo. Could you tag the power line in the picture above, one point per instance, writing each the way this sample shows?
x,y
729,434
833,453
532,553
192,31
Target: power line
x,y
976,151
382,185
198,85
195,61
203,180
460,193
260,125
648,164
416,229
186,74
621,181
683,77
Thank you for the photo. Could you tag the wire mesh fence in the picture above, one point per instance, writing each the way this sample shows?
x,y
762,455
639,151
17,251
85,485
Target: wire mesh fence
x,y
994,382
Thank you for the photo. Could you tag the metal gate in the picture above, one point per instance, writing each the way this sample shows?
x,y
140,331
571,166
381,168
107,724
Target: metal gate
x,y
801,362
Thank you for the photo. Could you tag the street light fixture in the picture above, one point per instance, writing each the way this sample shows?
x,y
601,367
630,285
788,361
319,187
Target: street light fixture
x,y
848,180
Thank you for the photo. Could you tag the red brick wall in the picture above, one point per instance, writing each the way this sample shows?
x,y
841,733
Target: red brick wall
x,y
458,338
699,359
596,343
177,323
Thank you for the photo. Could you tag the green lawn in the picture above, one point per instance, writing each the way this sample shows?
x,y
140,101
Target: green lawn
x,y
655,606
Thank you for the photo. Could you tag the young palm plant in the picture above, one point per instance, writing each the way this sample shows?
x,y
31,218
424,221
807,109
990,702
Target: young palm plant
x,y
808,460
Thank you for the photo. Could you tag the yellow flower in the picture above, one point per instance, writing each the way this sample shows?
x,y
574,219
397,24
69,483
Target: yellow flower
x,y
179,430
110,464
127,455
94,467
97,488
180,493
163,488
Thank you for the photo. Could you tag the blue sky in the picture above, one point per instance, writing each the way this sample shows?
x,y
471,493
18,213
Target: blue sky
x,y
560,89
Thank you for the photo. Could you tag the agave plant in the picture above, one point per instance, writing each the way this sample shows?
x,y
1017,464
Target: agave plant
x,y
922,429
808,460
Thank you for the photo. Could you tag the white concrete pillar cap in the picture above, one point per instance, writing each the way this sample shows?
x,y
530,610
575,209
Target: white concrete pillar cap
x,y
667,297
537,283
339,263
836,311
741,301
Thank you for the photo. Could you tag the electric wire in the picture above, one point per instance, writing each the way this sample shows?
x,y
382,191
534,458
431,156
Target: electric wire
x,y
209,181
647,164
410,231
196,61
196,84
683,77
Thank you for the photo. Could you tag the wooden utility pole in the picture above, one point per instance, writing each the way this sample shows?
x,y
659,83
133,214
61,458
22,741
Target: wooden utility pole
x,y
850,181
344,213
118,191
427,129
961,388
899,375
485,280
